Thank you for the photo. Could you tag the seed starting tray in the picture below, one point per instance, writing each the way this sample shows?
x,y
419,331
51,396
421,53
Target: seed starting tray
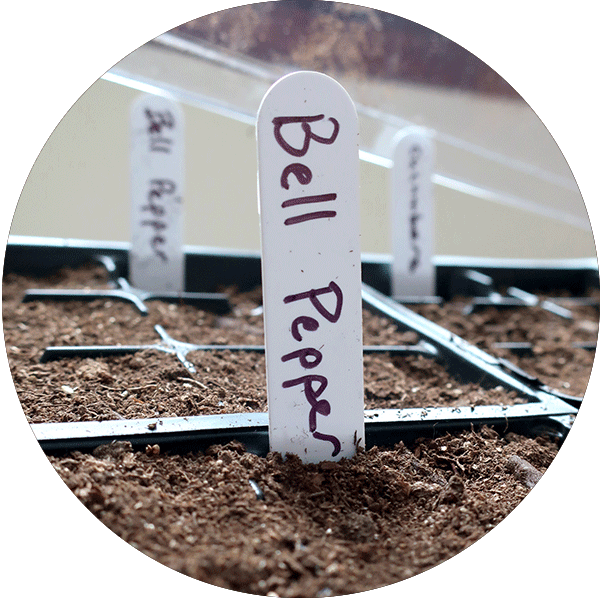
x,y
545,411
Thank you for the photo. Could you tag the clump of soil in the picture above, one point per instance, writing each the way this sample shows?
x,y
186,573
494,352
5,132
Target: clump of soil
x,y
283,528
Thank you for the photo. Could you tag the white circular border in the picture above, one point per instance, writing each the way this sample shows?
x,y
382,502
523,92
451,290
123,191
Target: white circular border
x,y
53,52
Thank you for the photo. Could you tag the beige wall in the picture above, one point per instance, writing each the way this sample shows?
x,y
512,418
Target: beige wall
x,y
79,188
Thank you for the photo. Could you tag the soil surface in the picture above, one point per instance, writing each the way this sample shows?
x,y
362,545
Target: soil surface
x,y
554,357
151,383
281,528
265,525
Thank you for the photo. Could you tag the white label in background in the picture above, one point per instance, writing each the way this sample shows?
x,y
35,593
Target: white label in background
x,y
156,260
413,271
307,132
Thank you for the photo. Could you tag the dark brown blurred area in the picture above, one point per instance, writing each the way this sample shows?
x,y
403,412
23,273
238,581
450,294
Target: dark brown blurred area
x,y
340,38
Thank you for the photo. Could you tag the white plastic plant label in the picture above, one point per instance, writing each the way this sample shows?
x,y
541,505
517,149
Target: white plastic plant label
x,y
156,259
307,133
413,271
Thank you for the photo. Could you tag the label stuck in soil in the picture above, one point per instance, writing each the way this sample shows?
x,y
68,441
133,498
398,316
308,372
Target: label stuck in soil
x,y
157,180
413,271
307,134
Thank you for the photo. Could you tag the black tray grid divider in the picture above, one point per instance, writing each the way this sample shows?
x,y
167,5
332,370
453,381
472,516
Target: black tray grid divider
x,y
545,410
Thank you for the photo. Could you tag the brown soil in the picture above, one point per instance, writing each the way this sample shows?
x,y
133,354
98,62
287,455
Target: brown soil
x,y
268,525
554,360
321,530
154,384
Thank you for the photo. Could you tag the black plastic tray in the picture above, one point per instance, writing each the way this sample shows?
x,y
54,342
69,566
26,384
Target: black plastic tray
x,y
545,411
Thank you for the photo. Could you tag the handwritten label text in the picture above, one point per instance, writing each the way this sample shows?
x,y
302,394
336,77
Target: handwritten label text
x,y
156,257
412,215
308,188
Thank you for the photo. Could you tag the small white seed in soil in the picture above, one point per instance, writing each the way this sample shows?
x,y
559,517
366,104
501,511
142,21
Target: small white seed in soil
x,y
67,389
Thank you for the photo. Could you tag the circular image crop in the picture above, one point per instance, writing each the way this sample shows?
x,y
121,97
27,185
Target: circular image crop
x,y
335,380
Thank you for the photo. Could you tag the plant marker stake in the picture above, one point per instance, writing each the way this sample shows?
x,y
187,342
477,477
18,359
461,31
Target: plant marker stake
x,y
307,134
156,260
413,271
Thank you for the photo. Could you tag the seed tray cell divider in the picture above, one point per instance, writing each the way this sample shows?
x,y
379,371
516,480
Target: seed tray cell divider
x,y
526,349
383,427
515,297
217,303
545,410
181,349
462,358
